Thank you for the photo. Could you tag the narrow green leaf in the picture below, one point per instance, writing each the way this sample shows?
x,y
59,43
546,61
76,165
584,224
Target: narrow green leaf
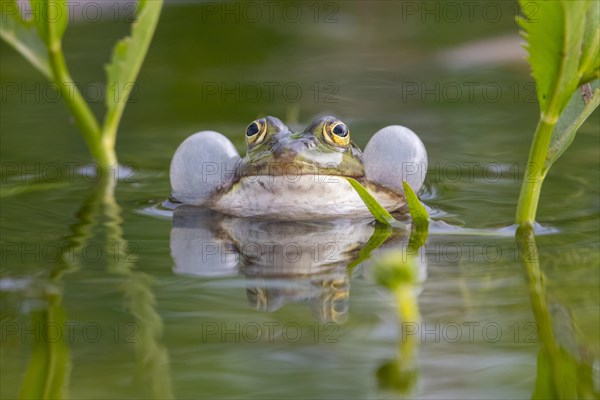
x,y
128,56
39,12
380,213
417,211
582,104
23,37
554,41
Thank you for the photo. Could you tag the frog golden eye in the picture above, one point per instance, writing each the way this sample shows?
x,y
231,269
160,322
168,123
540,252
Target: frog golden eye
x,y
336,133
256,132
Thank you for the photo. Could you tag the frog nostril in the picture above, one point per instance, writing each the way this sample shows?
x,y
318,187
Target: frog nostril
x,y
309,144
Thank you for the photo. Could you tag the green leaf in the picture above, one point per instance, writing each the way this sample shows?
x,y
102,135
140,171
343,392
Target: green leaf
x,y
128,56
554,41
582,104
416,209
418,213
589,64
58,17
563,53
380,213
50,18
23,37
39,14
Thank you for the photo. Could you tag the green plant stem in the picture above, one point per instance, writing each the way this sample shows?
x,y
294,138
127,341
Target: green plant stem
x,y
85,119
109,131
535,172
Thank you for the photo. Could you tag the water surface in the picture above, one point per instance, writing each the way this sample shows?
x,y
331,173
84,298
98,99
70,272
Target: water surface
x,y
140,310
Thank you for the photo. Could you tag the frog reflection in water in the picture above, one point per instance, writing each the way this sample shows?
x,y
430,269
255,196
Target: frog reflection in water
x,y
281,261
329,305
289,175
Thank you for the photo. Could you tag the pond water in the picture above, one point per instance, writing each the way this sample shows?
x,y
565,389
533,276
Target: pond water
x,y
107,294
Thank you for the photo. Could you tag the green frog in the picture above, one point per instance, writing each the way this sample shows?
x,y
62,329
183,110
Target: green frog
x,y
297,175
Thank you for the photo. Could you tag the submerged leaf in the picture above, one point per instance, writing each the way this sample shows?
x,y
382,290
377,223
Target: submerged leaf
x,y
22,35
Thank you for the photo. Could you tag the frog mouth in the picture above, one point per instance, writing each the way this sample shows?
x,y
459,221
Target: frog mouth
x,y
293,169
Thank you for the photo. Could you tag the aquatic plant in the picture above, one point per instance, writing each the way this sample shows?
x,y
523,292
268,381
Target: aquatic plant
x,y
39,40
563,41
416,209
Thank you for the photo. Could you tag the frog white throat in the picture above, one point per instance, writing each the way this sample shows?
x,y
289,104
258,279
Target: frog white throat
x,y
203,174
